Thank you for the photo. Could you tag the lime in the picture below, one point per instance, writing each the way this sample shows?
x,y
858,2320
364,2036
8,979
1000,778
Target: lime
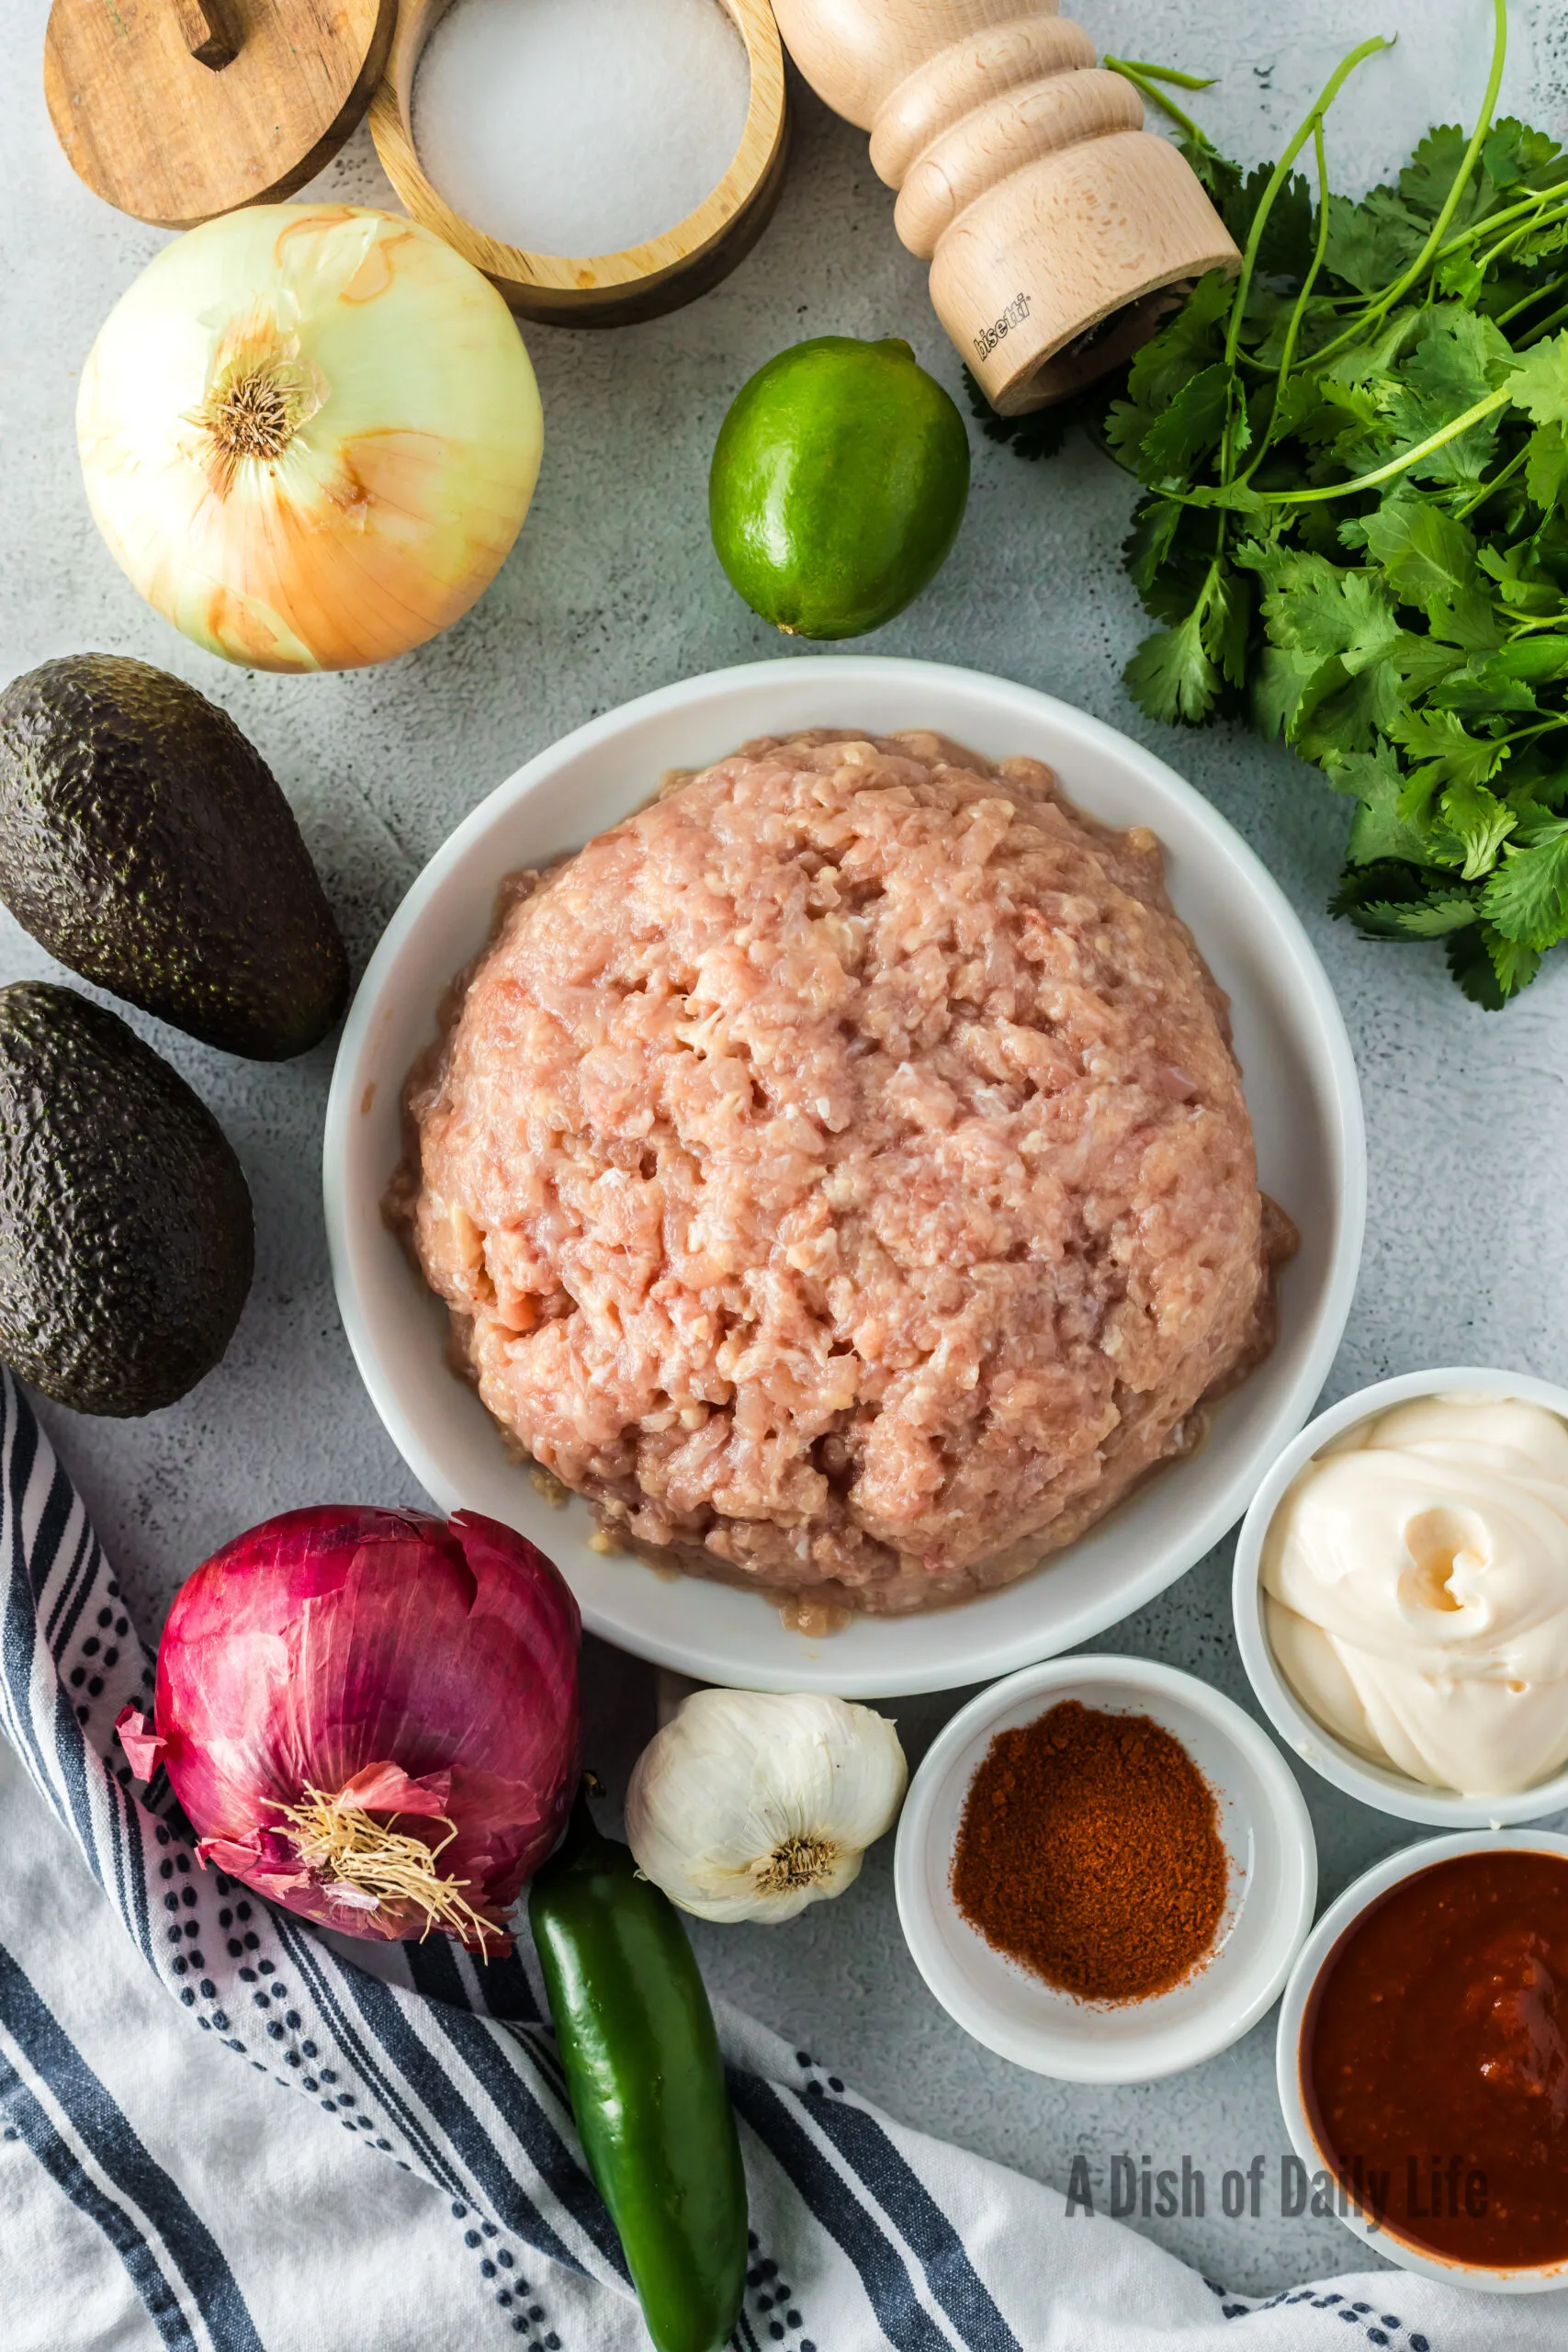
x,y
839,481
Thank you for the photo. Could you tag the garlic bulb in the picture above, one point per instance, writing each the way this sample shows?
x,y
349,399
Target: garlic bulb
x,y
750,1806
309,434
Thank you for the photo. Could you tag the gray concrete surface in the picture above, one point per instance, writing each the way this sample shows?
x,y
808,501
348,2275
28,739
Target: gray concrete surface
x,y
612,589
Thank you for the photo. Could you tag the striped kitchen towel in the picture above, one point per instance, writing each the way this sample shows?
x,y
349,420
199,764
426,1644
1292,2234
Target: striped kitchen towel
x,y
419,2185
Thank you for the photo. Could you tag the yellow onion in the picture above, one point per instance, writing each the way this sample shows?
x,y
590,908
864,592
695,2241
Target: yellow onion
x,y
310,433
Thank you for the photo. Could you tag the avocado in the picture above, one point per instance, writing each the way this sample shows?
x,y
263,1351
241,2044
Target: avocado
x,y
144,842
126,1241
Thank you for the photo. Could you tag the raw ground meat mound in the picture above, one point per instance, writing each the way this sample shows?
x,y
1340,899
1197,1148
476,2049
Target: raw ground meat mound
x,y
840,1174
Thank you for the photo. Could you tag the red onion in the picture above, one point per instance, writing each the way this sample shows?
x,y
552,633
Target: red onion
x,y
372,1717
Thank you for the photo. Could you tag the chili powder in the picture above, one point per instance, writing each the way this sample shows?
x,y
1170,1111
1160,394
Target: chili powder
x,y
1089,1850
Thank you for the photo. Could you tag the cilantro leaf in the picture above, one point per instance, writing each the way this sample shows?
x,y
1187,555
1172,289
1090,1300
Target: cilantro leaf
x,y
1467,620
1539,660
1186,430
1440,737
1421,918
1269,310
1193,340
1460,356
1477,691
1331,685
1147,546
1278,685
1126,425
1041,434
1471,963
1389,901
1546,465
1454,365
1542,244
1285,248
1232,498
1345,710
1225,618
1214,172
1371,242
1527,898
1364,362
1515,156
1427,181
1520,580
1461,277
1480,822
1378,831
1379,884
1501,680
1320,606
1171,677
1424,663
1539,380
1427,554
1515,965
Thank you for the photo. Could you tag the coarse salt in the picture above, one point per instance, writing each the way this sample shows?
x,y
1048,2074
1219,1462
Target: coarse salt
x,y
580,127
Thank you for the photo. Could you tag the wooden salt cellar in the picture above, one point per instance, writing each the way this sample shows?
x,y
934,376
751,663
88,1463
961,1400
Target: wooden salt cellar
x,y
176,110
603,289
1055,224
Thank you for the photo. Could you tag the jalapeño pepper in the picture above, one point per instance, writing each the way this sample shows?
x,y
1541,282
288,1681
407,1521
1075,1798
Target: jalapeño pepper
x,y
646,2083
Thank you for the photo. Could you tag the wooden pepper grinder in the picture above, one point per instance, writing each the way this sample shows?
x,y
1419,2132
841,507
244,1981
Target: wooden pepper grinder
x,y
1055,224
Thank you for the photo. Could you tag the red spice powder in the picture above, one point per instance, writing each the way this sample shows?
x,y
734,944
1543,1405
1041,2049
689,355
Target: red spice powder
x,y
1089,1850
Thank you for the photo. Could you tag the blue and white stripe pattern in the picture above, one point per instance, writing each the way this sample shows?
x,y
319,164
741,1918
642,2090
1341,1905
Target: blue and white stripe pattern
x,y
208,2204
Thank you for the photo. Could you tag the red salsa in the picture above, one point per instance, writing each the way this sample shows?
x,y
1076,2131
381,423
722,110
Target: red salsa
x,y
1434,2059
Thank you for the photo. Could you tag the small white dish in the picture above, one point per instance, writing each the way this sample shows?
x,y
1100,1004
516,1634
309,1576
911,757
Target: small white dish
x,y
1379,1785
1267,1833
1300,1089
1319,1946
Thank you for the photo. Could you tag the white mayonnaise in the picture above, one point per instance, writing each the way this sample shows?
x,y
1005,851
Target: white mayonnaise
x,y
1416,1591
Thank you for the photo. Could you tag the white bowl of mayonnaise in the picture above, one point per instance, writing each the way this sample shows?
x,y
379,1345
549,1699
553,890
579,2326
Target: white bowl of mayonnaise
x,y
1401,1597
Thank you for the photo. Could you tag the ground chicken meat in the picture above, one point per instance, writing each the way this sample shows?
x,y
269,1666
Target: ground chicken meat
x,y
839,1173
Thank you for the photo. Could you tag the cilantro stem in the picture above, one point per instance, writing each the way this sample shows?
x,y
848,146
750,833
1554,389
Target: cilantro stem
x,y
1162,72
1544,327
1391,295
1480,497
1541,726
1497,219
1293,331
1515,236
1401,464
1139,77
1281,172
1536,294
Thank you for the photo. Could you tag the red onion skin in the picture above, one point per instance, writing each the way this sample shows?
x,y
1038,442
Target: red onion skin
x,y
332,1641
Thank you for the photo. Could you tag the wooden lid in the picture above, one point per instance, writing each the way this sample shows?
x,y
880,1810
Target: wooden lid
x,y
176,110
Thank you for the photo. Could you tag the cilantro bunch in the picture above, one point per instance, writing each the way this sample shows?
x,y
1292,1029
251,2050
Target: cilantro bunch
x,y
1354,519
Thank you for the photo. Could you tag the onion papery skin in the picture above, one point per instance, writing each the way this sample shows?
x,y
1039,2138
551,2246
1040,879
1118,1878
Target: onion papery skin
x,y
332,1641
414,428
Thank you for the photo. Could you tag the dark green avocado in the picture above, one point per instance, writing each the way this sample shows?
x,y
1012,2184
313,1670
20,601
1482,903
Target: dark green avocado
x,y
145,843
126,1241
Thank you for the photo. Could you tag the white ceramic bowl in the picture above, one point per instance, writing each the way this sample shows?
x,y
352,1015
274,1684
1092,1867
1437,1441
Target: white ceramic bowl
x,y
1268,1834
1301,1085
1376,1784
1357,1898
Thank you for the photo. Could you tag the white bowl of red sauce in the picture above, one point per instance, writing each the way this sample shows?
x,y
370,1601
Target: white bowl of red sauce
x,y
1423,2061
